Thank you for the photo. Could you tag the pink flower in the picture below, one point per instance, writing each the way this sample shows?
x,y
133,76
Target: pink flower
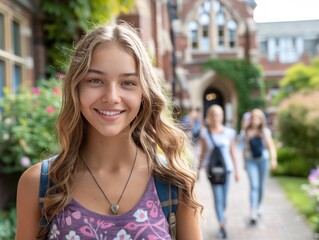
x,y
56,91
50,109
59,75
25,162
36,91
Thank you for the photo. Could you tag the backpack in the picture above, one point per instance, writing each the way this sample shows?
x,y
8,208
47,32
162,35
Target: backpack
x,y
196,130
167,193
256,146
216,169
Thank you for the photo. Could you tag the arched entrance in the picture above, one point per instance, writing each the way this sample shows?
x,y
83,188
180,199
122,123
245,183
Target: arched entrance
x,y
212,96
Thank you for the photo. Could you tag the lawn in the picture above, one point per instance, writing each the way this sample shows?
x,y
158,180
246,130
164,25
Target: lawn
x,y
300,199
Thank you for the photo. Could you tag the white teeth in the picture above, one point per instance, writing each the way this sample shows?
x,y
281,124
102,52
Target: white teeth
x,y
110,113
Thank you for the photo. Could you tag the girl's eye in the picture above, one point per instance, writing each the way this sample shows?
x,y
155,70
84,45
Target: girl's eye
x,y
95,81
128,83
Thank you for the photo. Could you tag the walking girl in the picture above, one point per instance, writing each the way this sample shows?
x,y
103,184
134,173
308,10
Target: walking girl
x,y
113,120
259,151
224,138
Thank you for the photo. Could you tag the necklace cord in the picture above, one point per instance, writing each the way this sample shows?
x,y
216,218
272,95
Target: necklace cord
x,y
98,185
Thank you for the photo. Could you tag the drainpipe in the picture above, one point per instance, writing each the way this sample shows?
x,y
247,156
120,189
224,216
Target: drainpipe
x,y
172,8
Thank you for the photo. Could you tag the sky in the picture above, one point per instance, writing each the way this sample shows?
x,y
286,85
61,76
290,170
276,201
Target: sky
x,y
286,10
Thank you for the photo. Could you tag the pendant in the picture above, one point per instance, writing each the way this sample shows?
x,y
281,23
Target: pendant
x,y
115,209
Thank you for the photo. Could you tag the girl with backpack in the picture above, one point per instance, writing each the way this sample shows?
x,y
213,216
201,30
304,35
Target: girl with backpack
x,y
218,135
113,120
259,150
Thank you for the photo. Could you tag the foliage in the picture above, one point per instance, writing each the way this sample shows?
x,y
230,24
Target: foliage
x,y
66,21
246,78
27,125
8,224
299,198
299,77
312,189
299,130
291,163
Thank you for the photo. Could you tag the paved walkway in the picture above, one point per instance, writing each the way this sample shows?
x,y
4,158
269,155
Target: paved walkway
x,y
279,220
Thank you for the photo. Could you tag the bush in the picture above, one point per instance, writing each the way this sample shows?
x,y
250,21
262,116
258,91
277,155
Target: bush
x,y
291,163
27,125
8,224
298,126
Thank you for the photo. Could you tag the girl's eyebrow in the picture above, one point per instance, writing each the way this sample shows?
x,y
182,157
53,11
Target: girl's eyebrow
x,y
129,74
92,70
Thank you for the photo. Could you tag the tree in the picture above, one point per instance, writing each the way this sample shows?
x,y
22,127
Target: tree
x,y
66,21
299,77
246,77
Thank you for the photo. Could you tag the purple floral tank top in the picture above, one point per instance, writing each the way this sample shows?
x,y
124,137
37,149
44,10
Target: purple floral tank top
x,y
146,221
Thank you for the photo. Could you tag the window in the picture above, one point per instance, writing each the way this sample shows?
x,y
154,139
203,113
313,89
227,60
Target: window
x,y
232,29
1,31
1,77
204,21
207,6
17,73
16,38
193,29
263,47
15,45
214,29
311,46
217,6
220,20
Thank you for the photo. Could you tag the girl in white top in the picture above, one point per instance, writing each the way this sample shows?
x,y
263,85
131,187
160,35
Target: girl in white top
x,y
223,137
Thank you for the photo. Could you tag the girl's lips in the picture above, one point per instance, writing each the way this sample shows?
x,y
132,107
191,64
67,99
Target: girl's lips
x,y
109,114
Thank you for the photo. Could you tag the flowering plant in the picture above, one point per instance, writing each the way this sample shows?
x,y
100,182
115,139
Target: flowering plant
x,y
313,187
27,125
312,190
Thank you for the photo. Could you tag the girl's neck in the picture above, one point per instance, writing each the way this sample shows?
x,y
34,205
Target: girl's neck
x,y
216,128
111,151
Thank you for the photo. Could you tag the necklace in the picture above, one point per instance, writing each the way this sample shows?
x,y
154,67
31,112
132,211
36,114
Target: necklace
x,y
114,207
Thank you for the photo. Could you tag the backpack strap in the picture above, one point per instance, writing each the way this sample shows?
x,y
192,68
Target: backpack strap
x,y
210,135
44,184
168,195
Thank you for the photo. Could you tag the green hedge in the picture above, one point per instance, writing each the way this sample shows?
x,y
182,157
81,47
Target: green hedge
x,y
291,163
247,80
300,133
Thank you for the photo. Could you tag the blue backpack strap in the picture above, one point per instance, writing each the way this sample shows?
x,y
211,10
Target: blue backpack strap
x,y
168,196
44,184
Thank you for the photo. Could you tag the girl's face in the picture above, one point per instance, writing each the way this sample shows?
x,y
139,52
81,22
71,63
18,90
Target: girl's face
x,y
215,116
110,93
255,120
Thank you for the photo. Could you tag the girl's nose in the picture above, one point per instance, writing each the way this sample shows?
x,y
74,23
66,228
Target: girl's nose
x,y
111,94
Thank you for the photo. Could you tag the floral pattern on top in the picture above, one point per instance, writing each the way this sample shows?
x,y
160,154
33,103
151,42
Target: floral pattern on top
x,y
146,221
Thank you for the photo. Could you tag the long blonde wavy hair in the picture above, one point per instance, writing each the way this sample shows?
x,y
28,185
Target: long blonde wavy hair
x,y
153,128
262,118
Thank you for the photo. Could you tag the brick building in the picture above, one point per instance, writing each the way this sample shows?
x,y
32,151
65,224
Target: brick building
x,y
23,53
201,29
206,29
282,44
16,44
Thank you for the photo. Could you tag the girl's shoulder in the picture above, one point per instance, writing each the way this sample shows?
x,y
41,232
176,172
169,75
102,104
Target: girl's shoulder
x,y
229,131
32,174
204,131
29,183
267,132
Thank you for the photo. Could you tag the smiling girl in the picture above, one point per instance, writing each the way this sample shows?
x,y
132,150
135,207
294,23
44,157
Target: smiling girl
x,y
113,120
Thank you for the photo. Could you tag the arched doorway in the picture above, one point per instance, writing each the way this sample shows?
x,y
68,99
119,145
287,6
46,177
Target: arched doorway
x,y
212,96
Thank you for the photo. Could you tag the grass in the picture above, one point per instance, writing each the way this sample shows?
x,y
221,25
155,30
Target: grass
x,y
299,198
